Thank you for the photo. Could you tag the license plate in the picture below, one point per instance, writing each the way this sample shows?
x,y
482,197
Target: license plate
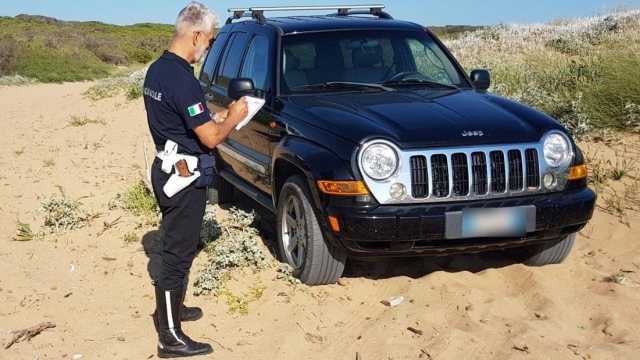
x,y
490,222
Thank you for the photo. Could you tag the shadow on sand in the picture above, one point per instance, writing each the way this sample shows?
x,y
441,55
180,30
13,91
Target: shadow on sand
x,y
414,267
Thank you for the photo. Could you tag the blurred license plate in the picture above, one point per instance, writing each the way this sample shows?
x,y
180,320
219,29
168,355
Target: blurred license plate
x,y
490,222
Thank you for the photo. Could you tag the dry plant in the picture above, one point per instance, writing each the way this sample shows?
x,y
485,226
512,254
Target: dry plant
x,y
24,232
622,168
62,214
231,243
130,85
79,121
130,237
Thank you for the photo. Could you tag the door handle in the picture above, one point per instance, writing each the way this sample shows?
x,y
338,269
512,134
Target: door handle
x,y
277,129
277,126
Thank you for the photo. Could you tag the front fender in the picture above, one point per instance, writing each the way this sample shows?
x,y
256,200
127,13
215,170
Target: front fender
x,y
313,160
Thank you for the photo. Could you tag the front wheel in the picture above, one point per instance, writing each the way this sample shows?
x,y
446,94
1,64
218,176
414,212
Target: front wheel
x,y
301,243
554,252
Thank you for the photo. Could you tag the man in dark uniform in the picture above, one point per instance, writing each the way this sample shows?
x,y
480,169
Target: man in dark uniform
x,y
177,111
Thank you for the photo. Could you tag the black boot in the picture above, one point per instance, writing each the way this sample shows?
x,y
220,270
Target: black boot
x,y
172,342
189,313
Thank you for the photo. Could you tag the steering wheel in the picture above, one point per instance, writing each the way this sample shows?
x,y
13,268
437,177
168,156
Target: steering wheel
x,y
406,74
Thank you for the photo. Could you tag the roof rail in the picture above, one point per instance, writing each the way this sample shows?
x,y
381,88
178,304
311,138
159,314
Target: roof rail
x,y
342,10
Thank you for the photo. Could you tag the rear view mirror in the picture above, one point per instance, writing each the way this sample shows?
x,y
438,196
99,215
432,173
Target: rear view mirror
x,y
481,79
241,87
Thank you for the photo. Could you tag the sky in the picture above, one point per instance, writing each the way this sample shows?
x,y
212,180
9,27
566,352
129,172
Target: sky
x,y
425,12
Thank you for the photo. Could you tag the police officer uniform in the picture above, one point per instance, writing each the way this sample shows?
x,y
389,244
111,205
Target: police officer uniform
x,y
175,105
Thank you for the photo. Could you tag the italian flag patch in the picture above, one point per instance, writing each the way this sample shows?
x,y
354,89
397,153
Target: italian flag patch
x,y
195,109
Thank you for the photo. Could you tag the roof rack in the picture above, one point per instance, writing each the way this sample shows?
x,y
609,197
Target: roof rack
x,y
342,10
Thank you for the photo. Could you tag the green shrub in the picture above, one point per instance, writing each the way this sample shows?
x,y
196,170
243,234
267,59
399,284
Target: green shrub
x,y
134,92
140,55
140,201
106,50
8,55
57,65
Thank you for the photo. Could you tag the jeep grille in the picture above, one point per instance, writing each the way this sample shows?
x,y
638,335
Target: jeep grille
x,y
455,174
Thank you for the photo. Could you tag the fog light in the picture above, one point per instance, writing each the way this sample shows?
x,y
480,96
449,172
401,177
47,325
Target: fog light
x,y
549,181
397,191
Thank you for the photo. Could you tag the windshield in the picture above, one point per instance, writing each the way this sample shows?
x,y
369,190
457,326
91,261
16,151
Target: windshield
x,y
393,58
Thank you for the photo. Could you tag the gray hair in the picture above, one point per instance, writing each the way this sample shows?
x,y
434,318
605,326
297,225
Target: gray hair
x,y
195,17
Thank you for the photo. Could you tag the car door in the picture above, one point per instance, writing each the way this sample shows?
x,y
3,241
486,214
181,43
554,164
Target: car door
x,y
216,93
252,143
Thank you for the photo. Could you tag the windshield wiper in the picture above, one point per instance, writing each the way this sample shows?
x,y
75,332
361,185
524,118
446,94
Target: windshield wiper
x,y
344,85
420,82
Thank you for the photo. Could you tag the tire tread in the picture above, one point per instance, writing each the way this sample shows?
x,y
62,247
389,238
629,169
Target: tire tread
x,y
326,266
554,253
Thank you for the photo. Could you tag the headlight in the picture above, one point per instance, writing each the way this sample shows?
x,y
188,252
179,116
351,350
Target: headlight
x,y
379,161
557,149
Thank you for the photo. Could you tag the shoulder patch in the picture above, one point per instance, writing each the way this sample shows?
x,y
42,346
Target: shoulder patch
x,y
195,109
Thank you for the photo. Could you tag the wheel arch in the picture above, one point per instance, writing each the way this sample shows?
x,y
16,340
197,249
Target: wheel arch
x,y
310,160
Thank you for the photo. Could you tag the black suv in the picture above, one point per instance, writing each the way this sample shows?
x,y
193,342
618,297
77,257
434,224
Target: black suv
x,y
375,143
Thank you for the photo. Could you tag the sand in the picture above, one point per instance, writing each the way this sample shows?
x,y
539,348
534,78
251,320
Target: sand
x,y
97,291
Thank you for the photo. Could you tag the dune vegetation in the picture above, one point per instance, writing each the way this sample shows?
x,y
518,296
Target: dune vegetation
x,y
582,71
51,50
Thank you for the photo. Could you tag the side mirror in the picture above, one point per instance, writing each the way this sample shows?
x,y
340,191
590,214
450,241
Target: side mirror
x,y
240,87
481,79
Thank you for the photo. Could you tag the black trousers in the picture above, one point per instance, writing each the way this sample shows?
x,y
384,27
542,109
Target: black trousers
x,y
182,216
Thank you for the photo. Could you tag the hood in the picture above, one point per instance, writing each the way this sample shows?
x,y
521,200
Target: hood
x,y
423,118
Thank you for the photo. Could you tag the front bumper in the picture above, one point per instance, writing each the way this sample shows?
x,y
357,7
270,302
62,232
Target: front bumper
x,y
407,230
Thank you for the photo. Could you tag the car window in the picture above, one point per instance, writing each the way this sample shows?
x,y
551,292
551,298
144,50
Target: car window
x,y
255,63
365,56
429,61
206,75
231,62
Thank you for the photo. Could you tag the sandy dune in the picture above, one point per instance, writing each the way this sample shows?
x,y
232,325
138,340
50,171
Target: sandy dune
x,y
97,290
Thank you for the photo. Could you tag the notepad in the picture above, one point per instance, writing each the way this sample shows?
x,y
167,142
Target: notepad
x,y
254,105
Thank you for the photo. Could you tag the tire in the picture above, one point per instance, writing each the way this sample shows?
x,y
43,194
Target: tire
x,y
551,253
225,191
301,244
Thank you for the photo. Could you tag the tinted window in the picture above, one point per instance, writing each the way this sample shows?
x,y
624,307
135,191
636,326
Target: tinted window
x,y
255,63
364,56
232,58
206,75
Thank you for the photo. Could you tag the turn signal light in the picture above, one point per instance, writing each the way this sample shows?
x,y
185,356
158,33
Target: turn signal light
x,y
335,225
343,188
578,172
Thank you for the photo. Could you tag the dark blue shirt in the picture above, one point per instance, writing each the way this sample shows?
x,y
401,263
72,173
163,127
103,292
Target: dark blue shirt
x,y
175,104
